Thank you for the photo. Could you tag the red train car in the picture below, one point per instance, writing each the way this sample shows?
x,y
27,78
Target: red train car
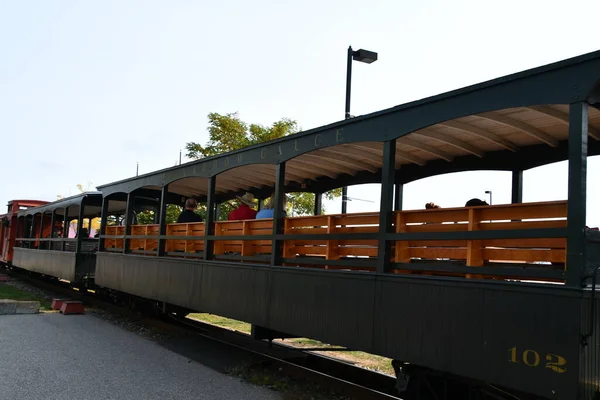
x,y
8,226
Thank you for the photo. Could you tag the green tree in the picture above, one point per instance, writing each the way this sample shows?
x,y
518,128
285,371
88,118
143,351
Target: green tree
x,y
173,211
228,132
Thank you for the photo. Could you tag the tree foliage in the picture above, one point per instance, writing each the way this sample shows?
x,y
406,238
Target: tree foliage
x,y
147,217
227,133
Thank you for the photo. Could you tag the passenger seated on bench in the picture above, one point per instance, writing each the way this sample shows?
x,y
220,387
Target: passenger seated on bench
x,y
189,214
269,211
243,211
476,202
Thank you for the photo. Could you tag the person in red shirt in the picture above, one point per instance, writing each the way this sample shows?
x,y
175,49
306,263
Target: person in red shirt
x,y
243,211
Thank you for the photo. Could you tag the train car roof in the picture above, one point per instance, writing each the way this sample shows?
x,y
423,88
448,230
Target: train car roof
x,y
515,122
93,203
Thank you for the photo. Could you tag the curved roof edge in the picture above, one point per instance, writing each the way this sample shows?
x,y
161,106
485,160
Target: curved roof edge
x,y
62,203
570,85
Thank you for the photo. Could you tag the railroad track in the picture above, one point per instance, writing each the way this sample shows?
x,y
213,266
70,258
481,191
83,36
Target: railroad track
x,y
343,378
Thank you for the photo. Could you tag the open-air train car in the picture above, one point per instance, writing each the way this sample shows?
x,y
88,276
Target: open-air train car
x,y
44,245
500,295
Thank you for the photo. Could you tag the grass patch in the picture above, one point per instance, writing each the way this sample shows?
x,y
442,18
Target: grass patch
x,y
12,293
222,322
364,360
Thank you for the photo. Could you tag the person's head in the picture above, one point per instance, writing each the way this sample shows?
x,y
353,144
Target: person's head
x,y
476,202
191,204
247,199
430,206
271,203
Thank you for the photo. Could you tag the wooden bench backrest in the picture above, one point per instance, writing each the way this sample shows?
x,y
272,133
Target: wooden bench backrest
x,y
248,228
472,252
114,230
182,245
144,244
331,224
476,252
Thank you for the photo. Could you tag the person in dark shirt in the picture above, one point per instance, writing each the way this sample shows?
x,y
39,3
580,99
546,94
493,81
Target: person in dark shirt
x,y
244,211
189,213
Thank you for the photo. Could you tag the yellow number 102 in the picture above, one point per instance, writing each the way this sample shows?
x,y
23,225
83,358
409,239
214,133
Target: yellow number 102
x,y
531,358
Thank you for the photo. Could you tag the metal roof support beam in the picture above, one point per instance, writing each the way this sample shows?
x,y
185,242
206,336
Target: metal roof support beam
x,y
52,216
276,250
386,215
521,126
41,232
318,203
576,211
80,225
128,221
327,154
162,220
399,154
563,117
426,148
398,194
475,130
209,224
65,234
366,157
459,144
103,221
31,233
517,187
301,166
329,164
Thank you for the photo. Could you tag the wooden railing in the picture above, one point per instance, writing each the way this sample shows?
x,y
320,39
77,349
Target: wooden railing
x,y
247,247
350,241
182,247
113,244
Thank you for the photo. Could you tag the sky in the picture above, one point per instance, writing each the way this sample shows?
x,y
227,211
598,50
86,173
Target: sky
x,y
89,89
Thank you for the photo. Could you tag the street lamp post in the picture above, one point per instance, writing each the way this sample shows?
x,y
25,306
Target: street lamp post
x,y
367,57
490,193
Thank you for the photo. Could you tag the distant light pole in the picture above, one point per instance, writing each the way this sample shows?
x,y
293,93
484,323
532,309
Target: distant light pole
x,y
367,57
490,193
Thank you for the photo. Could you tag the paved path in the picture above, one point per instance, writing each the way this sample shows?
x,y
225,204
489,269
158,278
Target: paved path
x,y
53,356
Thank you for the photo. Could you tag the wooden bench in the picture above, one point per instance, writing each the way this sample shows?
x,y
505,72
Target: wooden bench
x,y
247,228
470,253
187,247
333,250
148,244
476,253
114,230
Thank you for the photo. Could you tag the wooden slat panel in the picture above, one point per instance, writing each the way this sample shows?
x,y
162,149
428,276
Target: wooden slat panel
x,y
487,226
184,229
311,250
438,252
553,243
436,215
358,219
307,231
524,255
525,211
358,229
307,221
438,228
358,251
